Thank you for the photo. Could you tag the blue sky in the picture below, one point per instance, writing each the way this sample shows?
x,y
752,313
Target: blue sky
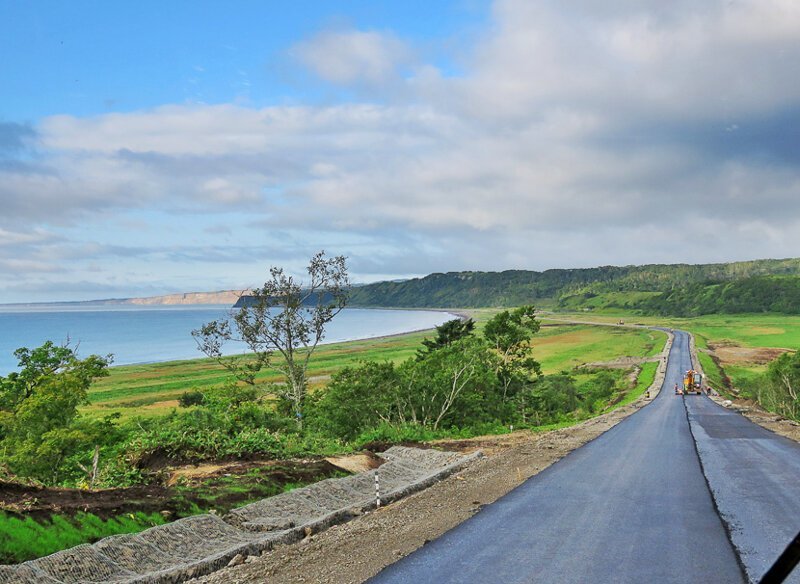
x,y
92,58
149,147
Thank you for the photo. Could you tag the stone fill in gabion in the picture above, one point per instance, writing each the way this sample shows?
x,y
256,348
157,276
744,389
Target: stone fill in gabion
x,y
199,545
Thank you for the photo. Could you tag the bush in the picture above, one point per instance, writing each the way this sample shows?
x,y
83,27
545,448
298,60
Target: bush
x,y
191,398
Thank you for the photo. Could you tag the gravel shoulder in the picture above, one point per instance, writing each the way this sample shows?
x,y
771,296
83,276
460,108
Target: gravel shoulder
x,y
356,551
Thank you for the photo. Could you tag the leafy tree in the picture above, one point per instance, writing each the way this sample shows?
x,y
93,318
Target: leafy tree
x,y
554,395
286,316
357,398
779,388
454,385
509,333
39,408
446,334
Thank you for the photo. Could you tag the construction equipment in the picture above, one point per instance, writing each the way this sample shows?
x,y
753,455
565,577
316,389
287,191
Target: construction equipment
x,y
692,382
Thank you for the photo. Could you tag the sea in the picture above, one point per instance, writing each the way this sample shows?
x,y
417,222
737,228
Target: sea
x,y
149,334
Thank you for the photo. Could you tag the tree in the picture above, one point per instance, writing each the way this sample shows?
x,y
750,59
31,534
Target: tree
x,y
552,396
446,334
39,408
284,316
783,381
452,386
509,333
357,398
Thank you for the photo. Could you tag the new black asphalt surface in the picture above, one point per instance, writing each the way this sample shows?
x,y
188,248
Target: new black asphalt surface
x,y
754,476
631,506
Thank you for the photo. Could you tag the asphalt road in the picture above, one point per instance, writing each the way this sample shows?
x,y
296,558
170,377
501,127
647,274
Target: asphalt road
x,y
754,476
633,505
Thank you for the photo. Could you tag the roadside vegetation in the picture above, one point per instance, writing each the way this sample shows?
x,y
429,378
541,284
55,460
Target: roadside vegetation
x,y
24,538
464,381
62,428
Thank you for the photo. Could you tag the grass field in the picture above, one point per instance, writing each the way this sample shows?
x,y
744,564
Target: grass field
x,y
745,331
749,330
153,389
563,347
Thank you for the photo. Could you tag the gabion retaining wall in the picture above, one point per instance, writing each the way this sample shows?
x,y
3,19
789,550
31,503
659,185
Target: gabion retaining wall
x,y
199,545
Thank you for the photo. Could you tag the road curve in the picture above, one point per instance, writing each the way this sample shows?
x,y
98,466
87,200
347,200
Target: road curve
x,y
631,506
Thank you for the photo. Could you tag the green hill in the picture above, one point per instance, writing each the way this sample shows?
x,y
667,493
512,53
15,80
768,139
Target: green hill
x,y
662,289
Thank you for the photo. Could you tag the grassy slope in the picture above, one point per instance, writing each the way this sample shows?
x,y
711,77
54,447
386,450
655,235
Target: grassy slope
x,y
565,346
26,538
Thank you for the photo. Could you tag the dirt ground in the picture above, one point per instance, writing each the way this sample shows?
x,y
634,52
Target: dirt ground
x,y
732,354
355,551
42,502
203,485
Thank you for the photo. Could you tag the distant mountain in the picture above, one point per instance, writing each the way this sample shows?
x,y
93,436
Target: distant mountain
x,y
573,288
669,289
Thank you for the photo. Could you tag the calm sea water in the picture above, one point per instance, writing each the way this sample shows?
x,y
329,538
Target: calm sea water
x,y
149,334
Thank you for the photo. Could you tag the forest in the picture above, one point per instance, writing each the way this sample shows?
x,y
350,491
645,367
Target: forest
x,y
672,290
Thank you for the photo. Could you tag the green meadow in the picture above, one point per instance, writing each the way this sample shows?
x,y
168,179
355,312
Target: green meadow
x,y
153,389
749,331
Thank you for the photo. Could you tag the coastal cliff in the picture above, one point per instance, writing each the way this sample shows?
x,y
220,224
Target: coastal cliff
x,y
221,297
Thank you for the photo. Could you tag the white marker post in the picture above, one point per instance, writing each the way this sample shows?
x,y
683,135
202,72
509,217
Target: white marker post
x,y
377,491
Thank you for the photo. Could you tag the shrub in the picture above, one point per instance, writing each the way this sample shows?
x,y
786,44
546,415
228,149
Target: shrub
x,y
191,398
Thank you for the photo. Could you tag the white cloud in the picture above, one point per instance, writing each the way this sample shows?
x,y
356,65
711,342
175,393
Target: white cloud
x,y
576,136
354,57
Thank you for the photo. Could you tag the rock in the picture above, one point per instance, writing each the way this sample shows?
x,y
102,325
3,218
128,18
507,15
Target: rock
x,y
250,559
308,531
237,560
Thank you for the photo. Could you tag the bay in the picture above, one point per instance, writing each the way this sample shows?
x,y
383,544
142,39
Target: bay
x,y
146,334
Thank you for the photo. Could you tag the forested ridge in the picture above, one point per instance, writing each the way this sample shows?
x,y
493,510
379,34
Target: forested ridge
x,y
680,289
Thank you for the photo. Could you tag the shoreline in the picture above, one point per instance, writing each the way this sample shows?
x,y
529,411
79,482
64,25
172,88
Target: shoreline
x,y
462,316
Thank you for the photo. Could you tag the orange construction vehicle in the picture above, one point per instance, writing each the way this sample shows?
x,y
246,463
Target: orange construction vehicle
x,y
692,383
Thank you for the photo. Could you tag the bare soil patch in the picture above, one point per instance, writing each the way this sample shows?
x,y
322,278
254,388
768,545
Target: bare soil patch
x,y
356,463
42,502
220,486
732,354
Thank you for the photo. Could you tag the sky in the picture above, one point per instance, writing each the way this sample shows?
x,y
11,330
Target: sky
x,y
157,147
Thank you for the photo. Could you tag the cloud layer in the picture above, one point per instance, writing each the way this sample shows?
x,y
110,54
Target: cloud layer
x,y
575,136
